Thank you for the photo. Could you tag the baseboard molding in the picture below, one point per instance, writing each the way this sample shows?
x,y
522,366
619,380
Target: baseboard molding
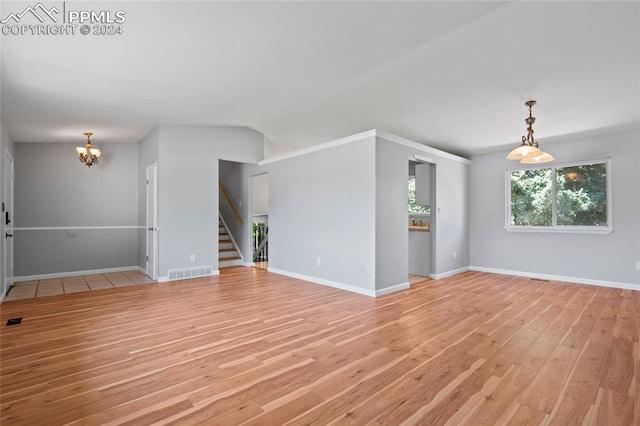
x,y
392,289
449,273
248,264
574,280
163,279
75,273
341,286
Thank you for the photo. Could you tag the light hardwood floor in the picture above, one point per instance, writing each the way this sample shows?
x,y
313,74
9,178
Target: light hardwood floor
x,y
251,347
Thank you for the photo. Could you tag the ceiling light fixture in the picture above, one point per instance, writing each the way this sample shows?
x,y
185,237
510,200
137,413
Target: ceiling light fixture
x,y
88,154
529,152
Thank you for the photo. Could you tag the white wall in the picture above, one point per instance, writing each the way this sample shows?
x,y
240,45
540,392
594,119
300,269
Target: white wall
x,y
188,189
600,257
53,189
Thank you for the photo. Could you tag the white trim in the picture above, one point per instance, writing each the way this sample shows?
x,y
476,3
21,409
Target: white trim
x,y
341,286
561,229
66,228
2,297
422,158
360,136
248,264
449,273
163,279
75,273
421,147
573,280
320,147
392,289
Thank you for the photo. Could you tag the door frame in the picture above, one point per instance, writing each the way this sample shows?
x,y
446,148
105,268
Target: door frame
x,y
151,228
8,209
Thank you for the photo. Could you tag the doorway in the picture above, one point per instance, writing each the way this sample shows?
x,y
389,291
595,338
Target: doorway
x,y
152,221
7,217
419,204
260,220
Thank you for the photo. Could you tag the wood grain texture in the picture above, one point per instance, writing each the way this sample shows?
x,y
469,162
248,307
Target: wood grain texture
x,y
252,347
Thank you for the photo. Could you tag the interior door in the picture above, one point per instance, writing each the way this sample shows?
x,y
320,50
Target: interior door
x,y
7,217
152,220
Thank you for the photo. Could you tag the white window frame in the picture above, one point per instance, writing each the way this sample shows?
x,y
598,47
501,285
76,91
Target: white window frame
x,y
554,228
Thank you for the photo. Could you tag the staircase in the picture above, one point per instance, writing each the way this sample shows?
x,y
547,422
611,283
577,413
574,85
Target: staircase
x,y
228,254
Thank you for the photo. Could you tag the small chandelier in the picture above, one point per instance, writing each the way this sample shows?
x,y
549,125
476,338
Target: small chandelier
x,y
529,152
87,154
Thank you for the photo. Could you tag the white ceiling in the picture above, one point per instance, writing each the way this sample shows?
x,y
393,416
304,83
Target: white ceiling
x,y
453,75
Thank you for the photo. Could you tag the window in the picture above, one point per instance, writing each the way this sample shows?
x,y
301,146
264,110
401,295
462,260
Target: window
x,y
413,207
564,198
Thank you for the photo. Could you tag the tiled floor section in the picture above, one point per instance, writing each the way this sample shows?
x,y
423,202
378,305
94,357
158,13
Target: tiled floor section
x,y
76,284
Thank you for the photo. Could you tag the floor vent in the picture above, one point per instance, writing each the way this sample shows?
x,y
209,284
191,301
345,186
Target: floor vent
x,y
14,321
184,273
539,279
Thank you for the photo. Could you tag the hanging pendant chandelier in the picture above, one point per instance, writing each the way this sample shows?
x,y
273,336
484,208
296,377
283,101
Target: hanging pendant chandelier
x,y
529,152
87,154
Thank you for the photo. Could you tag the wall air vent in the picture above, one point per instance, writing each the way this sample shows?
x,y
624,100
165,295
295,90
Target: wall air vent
x,y
185,273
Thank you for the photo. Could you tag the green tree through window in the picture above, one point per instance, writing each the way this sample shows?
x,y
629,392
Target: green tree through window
x,y
413,207
566,196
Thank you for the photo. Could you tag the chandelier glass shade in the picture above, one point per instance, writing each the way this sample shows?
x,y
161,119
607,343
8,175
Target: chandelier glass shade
x,y
87,154
529,152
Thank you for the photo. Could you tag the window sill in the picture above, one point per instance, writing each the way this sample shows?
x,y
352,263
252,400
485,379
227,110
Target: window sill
x,y
561,229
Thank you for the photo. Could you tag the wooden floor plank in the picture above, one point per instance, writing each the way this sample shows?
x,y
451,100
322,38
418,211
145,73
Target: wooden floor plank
x,y
253,347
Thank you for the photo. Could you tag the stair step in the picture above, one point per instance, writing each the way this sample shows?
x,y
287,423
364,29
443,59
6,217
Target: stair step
x,y
224,241
226,249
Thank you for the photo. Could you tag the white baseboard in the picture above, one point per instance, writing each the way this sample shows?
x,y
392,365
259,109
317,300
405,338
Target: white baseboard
x,y
392,289
163,279
341,286
248,264
575,280
449,273
75,273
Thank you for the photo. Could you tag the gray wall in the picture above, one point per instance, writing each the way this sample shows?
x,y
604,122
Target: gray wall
x,y
260,195
322,204
605,257
188,189
451,217
449,213
392,235
148,154
53,189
